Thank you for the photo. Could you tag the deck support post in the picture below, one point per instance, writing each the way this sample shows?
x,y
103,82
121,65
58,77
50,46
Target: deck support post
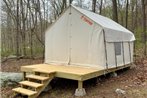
x,y
80,91
24,75
114,74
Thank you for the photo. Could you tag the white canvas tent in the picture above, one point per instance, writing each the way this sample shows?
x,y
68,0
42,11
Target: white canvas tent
x,y
83,38
80,39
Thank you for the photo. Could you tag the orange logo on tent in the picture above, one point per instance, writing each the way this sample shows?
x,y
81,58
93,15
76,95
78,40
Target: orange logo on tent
x,y
86,20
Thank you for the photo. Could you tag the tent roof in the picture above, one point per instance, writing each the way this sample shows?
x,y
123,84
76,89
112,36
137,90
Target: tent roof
x,y
107,24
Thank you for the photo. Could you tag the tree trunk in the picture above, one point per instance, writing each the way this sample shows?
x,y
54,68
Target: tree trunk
x,y
144,23
93,5
115,15
101,5
23,27
126,18
70,1
17,31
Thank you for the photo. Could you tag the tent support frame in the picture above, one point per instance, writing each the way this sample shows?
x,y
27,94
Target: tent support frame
x,y
123,53
129,51
105,49
115,55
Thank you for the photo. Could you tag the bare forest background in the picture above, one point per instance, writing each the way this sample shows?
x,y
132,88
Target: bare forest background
x,y
24,22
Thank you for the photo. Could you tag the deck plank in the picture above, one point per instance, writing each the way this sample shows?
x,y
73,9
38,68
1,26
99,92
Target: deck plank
x,y
42,78
24,91
31,84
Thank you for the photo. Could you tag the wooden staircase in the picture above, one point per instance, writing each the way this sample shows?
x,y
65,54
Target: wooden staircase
x,y
35,83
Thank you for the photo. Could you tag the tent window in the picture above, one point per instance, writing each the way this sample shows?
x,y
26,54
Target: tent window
x,y
117,46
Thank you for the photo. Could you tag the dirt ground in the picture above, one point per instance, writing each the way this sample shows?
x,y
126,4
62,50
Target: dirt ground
x,y
133,81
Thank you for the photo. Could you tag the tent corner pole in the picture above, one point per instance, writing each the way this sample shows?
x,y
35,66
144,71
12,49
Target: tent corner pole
x,y
106,58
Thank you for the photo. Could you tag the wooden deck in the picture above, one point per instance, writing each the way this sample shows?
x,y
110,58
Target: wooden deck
x,y
70,72
44,73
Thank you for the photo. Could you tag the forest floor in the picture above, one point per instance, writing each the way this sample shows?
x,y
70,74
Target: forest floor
x,y
133,81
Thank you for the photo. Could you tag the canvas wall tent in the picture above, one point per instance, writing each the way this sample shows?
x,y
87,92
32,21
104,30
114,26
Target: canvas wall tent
x,y
83,38
79,39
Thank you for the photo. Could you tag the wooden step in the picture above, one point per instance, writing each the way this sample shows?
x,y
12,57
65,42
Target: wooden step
x,y
24,91
43,71
31,84
42,78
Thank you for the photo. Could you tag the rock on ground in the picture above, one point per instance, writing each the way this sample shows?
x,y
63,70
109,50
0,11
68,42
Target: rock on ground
x,y
8,78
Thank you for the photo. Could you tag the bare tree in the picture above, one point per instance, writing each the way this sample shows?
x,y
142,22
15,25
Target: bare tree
x,y
93,5
17,34
126,18
70,1
100,8
144,5
115,15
